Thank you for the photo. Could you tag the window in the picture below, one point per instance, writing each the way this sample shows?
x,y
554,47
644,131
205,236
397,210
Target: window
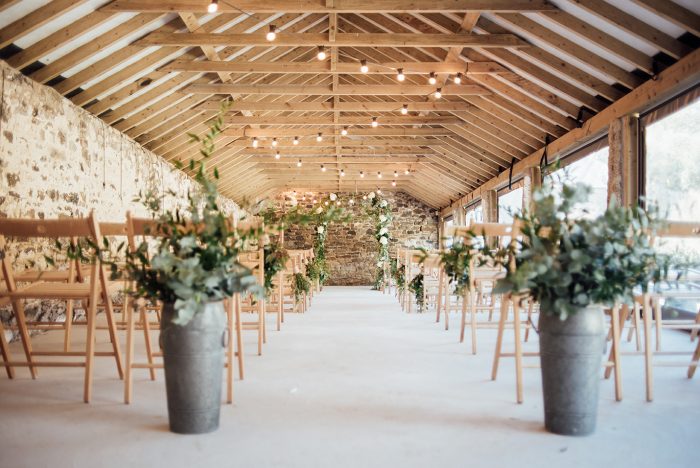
x,y
589,165
447,240
510,204
672,161
475,213
672,165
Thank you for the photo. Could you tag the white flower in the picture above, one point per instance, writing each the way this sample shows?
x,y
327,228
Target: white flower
x,y
333,196
319,210
383,231
382,218
320,229
293,202
383,240
380,264
383,203
370,195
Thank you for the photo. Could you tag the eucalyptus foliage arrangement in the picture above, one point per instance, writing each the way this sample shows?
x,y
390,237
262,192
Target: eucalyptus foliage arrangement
x,y
300,285
275,260
192,258
568,264
398,274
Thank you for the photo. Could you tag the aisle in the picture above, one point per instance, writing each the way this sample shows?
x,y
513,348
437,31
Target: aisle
x,y
353,383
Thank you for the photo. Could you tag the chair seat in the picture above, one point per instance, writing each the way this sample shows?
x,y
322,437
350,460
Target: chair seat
x,y
50,290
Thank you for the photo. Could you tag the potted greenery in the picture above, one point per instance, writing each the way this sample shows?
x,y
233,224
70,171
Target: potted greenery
x,y
575,267
190,267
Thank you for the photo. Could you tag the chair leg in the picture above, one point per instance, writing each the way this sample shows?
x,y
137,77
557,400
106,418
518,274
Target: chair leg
x,y
91,313
464,317
114,338
239,334
694,361
128,377
647,349
499,338
615,351
147,341
68,325
229,353
472,306
518,352
5,350
18,307
658,320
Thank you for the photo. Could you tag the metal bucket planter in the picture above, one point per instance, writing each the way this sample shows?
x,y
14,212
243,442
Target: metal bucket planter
x,y
193,357
571,354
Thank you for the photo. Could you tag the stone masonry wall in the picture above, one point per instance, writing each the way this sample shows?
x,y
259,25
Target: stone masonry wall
x,y
57,160
351,248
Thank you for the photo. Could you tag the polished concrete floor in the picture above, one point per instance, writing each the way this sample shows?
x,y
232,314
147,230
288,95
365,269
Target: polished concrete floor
x,y
352,383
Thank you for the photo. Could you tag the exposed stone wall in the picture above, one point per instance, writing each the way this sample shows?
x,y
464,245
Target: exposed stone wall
x,y
57,160
351,248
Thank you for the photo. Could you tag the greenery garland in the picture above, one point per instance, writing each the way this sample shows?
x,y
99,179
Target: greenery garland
x,y
399,274
416,287
379,209
276,257
300,285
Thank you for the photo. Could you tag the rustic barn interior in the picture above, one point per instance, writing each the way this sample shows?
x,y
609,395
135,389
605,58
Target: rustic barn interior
x,y
440,114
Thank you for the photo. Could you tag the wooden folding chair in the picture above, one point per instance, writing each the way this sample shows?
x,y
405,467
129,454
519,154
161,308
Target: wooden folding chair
x,y
413,268
94,288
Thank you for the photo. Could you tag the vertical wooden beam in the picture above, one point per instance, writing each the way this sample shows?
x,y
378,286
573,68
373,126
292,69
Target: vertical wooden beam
x,y
332,31
532,180
623,160
489,204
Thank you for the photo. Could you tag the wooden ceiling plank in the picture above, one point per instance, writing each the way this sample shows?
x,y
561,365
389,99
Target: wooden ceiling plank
x,y
634,26
35,20
53,41
602,39
569,47
343,90
93,47
675,13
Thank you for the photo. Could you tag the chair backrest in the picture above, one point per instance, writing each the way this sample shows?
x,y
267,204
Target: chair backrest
x,y
680,229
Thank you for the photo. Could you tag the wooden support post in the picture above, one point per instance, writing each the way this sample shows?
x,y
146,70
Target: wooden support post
x,y
623,162
533,180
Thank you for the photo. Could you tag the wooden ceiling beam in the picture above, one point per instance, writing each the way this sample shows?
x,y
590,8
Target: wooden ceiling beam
x,y
312,132
344,106
323,67
343,90
387,144
322,40
337,6
342,121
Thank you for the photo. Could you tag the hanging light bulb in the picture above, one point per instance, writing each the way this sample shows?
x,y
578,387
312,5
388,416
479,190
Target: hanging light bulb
x,y
396,173
438,93
379,175
458,78
364,197
393,183
319,138
351,201
296,141
274,142
255,142
272,33
342,173
213,6
363,66
432,80
400,76
326,203
337,203
277,155
323,168
379,191
299,163
344,131
362,174
375,124
406,172
404,109
321,53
